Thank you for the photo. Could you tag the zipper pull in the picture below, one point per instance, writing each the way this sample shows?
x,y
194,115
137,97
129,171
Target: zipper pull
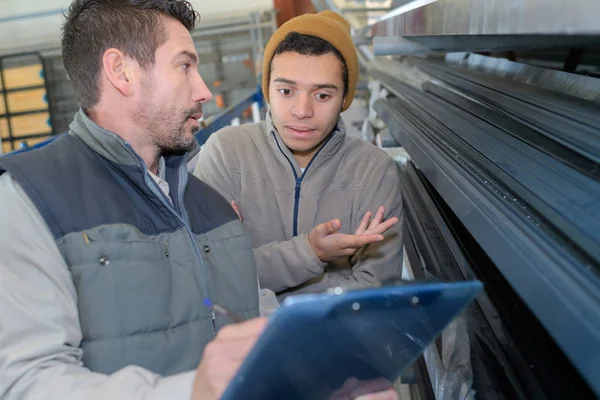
x,y
213,316
298,183
167,249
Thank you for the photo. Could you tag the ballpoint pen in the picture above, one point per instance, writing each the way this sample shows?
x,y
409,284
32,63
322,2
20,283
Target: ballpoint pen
x,y
223,311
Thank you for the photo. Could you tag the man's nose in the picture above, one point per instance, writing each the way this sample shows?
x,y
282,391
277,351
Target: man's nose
x,y
201,93
303,106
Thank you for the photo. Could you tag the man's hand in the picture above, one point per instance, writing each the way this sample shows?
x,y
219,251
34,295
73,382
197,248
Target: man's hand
x,y
377,226
377,389
236,209
223,357
328,244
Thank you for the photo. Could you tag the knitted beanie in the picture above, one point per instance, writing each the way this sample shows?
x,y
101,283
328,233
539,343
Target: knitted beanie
x,y
327,25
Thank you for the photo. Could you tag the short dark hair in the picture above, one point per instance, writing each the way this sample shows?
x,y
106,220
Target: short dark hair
x,y
309,45
132,26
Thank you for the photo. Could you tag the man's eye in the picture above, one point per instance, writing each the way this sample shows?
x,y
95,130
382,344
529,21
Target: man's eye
x,y
323,96
185,66
285,92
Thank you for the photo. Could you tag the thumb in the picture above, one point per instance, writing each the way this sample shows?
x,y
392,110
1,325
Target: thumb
x,y
330,227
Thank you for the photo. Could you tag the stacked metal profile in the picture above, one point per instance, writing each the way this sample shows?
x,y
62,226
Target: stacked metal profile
x,y
503,184
507,190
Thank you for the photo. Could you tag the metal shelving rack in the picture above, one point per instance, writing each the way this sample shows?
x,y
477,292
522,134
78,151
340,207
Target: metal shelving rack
x,y
506,157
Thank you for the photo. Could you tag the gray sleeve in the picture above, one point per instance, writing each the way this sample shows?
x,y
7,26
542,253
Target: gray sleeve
x,y
213,169
40,333
378,261
281,265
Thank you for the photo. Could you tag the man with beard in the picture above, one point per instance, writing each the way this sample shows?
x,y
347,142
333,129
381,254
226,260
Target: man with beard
x,y
307,191
111,253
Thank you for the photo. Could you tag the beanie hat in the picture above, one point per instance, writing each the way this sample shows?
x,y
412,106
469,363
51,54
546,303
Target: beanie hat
x,y
326,25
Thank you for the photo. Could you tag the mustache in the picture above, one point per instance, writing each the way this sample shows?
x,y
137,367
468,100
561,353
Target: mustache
x,y
193,111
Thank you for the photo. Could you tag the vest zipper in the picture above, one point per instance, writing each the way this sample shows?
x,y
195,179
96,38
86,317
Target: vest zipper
x,y
299,179
202,267
171,207
183,170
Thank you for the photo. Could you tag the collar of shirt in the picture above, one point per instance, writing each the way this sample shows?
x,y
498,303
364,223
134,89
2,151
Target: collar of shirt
x,y
160,178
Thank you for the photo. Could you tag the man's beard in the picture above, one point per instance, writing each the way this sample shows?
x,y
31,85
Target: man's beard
x,y
167,127
174,138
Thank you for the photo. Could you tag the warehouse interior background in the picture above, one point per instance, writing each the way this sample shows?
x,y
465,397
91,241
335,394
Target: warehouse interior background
x,y
491,109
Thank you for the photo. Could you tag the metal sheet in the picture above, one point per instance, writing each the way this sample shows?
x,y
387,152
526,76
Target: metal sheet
x,y
494,17
585,87
492,24
413,45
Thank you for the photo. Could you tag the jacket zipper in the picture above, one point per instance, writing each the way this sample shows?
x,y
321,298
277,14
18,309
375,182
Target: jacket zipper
x,y
299,179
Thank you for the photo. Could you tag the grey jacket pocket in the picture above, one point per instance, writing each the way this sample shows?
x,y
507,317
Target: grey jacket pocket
x,y
231,270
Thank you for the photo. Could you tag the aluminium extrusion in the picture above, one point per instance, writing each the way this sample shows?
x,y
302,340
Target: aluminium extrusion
x,y
572,122
524,342
548,277
576,85
567,199
444,256
520,131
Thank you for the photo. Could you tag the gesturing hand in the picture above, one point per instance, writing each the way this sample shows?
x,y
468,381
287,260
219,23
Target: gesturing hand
x,y
328,244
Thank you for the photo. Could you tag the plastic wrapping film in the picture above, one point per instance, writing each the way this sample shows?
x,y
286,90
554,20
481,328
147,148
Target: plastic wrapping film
x,y
451,374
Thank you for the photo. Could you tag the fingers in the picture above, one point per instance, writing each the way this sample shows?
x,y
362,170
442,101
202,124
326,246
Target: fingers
x,y
355,242
252,327
375,387
389,394
230,350
382,227
343,393
223,356
378,217
318,237
236,209
377,225
363,224
328,227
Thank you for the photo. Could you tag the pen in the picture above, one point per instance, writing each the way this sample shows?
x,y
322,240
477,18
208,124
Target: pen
x,y
223,311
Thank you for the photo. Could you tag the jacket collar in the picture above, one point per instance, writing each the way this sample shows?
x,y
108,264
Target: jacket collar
x,y
112,147
331,146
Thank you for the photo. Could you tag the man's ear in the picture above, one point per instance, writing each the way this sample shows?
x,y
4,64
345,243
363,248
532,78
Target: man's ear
x,y
118,70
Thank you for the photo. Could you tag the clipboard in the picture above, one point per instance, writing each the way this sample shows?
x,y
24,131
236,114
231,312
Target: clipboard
x,y
314,343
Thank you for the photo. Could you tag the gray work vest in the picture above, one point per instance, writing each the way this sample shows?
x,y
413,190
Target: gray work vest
x,y
142,267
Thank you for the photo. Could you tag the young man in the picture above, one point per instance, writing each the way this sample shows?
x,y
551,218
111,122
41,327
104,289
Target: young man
x,y
110,251
301,184
109,248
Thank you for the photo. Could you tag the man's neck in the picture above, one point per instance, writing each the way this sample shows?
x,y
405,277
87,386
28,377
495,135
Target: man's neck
x,y
120,126
303,158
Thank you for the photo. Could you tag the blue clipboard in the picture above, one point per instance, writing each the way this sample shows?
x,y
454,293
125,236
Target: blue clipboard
x,y
315,343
